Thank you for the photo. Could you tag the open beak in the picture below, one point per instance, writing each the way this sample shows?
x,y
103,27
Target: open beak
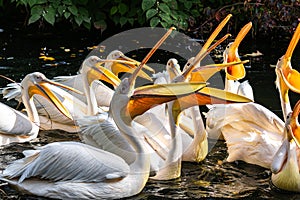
x,y
42,89
136,63
205,96
101,73
214,35
147,57
238,71
118,67
281,156
292,131
146,97
290,76
204,51
203,73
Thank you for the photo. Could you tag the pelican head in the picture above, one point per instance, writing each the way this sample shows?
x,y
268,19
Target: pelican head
x,y
173,68
231,54
287,77
117,68
37,83
285,167
92,67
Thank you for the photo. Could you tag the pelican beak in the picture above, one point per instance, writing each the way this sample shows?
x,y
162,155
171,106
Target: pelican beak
x,y
203,73
136,63
148,96
101,73
290,77
238,71
147,57
42,88
281,156
294,124
214,35
129,67
204,51
208,95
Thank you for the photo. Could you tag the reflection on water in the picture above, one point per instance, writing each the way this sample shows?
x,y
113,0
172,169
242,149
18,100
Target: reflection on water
x,y
212,178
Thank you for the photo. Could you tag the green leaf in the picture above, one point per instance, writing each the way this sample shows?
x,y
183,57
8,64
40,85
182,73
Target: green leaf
x,y
87,25
61,9
40,1
83,12
78,20
154,21
173,5
167,1
123,8
123,20
101,24
34,18
113,10
73,9
49,16
166,18
188,4
164,7
67,14
131,21
147,4
67,2
32,3
150,13
36,10
165,24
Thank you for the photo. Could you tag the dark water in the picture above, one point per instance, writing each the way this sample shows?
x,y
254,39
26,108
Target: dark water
x,y
214,178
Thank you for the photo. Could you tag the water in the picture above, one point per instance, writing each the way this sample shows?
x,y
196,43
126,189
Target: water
x,y
212,179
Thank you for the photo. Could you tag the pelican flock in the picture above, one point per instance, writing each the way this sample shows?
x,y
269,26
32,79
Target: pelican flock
x,y
132,134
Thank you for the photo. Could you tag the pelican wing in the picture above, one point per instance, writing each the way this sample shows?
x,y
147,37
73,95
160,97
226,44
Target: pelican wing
x,y
11,91
68,161
105,135
13,122
252,132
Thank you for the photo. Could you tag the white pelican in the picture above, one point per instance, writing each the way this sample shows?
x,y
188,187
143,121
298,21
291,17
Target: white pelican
x,y
88,172
287,77
237,72
252,132
17,127
285,164
119,63
51,118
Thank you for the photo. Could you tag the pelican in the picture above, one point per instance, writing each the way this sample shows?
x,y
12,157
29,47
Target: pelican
x,y
252,132
52,119
106,176
287,77
16,126
119,63
285,163
237,72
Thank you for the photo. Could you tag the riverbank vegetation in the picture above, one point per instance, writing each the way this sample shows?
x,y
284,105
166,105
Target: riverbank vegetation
x,y
195,17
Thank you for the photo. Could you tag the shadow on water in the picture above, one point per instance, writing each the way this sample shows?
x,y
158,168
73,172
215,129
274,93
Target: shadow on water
x,y
214,178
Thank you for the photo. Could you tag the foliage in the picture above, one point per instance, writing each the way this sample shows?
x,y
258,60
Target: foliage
x,y
193,16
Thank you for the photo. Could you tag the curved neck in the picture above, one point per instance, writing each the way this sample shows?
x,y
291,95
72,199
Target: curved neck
x,y
30,108
200,132
142,162
284,96
90,97
175,151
